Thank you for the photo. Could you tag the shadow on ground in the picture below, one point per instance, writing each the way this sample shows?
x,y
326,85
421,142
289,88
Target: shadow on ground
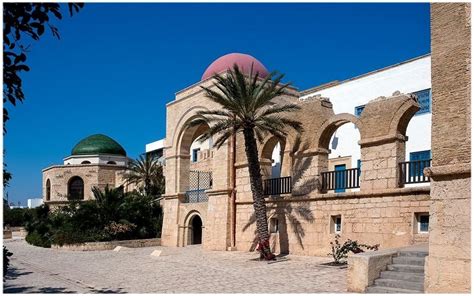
x,y
14,273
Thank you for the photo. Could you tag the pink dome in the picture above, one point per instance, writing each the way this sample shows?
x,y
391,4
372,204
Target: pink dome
x,y
244,61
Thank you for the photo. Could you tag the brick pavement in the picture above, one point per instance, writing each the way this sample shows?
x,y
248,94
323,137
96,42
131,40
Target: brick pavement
x,y
177,270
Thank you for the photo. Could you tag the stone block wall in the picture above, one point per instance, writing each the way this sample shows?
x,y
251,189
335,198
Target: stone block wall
x,y
91,174
384,217
448,266
379,168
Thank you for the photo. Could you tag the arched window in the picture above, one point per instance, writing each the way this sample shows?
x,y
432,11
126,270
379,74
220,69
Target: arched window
x,y
86,162
111,162
48,190
76,188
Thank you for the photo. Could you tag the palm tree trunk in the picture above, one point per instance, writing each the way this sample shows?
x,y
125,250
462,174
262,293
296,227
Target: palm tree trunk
x,y
257,191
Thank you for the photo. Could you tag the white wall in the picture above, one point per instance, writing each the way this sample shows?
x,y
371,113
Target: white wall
x,y
34,202
96,159
412,76
160,144
201,145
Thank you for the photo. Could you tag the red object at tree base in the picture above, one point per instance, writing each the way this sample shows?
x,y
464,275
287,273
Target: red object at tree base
x,y
265,252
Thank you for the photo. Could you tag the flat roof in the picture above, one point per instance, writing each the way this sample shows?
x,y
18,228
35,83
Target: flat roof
x,y
336,82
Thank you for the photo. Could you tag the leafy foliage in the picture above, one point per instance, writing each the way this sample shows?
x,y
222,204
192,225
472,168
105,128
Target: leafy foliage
x,y
339,252
146,173
23,22
247,107
6,260
16,217
114,215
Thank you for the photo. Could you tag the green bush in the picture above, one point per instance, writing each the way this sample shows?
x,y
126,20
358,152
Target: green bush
x,y
113,215
16,217
39,240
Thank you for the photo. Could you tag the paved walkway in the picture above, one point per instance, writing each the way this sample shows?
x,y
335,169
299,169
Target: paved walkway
x,y
177,270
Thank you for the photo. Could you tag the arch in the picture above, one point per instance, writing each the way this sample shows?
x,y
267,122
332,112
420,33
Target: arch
x,y
86,162
187,135
194,225
75,188
402,117
270,168
196,230
48,190
111,162
187,117
332,124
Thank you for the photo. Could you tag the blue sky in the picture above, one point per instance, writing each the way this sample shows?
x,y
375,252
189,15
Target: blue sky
x,y
117,65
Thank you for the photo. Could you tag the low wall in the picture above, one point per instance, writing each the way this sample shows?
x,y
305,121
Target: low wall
x,y
102,246
305,223
365,267
7,234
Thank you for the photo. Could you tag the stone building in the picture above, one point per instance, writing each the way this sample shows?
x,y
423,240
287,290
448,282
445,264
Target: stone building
x,y
448,268
97,160
208,198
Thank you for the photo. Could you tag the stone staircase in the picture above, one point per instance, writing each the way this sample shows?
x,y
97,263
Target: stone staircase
x,y
406,274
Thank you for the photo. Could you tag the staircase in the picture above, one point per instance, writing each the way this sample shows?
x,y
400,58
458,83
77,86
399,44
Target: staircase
x,y
406,274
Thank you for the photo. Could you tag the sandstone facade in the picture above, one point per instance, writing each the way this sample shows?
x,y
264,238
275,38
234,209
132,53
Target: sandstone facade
x,y
380,213
93,175
448,268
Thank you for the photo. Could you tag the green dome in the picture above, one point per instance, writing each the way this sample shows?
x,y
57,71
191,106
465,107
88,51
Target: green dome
x,y
98,144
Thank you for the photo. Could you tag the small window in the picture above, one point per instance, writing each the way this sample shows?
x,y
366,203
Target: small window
x,y
195,154
424,99
111,162
358,110
86,162
48,190
336,224
274,227
423,221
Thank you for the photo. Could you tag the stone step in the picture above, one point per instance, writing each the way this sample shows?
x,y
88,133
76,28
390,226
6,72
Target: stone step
x,y
406,268
375,289
400,284
404,276
412,254
418,261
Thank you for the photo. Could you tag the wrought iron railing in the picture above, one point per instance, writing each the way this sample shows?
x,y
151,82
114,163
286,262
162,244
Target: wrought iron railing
x,y
199,182
411,172
340,180
277,186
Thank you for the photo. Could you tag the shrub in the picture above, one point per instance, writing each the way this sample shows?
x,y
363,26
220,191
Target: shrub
x,y
112,216
16,217
339,252
36,239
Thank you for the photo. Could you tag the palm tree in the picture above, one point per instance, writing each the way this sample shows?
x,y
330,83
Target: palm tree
x,y
146,171
247,108
108,202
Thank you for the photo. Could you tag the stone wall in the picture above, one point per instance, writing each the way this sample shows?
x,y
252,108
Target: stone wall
x,y
91,174
384,217
448,266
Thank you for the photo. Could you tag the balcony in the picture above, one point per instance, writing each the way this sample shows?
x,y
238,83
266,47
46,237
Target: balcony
x,y
277,186
411,172
340,180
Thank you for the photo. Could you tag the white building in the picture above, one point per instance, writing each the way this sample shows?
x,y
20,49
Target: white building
x,y
350,96
34,202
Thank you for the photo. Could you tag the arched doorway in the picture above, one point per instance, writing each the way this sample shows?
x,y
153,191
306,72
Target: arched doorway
x,y
196,230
